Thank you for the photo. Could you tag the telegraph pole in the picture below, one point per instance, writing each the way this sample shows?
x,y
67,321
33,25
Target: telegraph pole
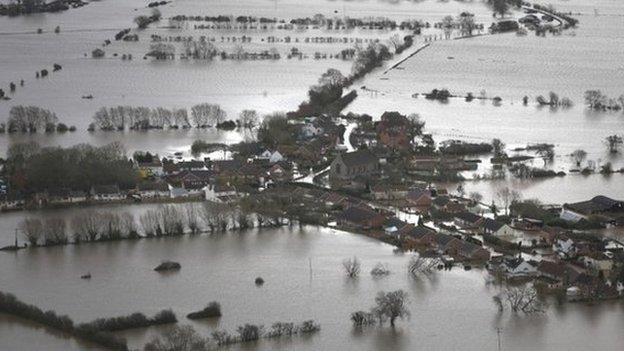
x,y
498,335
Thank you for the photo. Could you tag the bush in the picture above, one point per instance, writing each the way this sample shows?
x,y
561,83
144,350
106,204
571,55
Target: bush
x,y
135,320
213,310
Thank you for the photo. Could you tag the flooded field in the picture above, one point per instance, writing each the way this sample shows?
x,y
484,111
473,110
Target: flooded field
x,y
223,267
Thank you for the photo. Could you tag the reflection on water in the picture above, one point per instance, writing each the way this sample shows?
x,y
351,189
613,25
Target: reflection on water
x,y
449,311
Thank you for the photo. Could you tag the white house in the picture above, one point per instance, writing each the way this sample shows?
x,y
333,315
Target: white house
x,y
309,130
517,267
598,261
219,193
106,193
564,247
272,156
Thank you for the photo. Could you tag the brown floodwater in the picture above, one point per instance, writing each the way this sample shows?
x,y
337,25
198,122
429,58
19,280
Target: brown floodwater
x,y
450,310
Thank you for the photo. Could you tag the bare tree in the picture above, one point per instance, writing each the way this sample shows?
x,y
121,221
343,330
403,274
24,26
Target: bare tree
x,y
128,225
171,219
248,119
507,197
448,23
498,147
421,265
87,226
192,217
396,41
520,299
54,231
579,156
392,304
33,230
177,338
475,197
150,222
352,267
613,142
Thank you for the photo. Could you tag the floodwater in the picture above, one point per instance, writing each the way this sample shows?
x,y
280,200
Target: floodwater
x,y
304,280
450,310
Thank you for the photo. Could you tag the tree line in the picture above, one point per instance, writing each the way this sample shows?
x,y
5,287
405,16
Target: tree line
x,y
31,168
201,116
165,220
32,119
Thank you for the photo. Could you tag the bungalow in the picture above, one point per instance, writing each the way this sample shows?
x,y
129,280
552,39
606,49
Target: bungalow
x,y
310,130
420,236
279,172
467,220
65,196
518,267
493,227
420,198
348,166
394,227
271,156
151,169
552,270
153,189
446,204
597,260
195,178
598,205
360,218
564,247
389,192
220,192
106,193
468,251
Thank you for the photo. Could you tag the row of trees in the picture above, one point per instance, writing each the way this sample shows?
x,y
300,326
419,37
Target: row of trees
x,y
186,338
143,118
597,100
31,119
31,168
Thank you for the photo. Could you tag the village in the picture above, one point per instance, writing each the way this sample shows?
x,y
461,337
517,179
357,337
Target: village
x,y
306,170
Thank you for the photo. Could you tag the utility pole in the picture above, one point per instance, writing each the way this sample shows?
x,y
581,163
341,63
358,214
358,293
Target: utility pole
x,y
498,335
16,238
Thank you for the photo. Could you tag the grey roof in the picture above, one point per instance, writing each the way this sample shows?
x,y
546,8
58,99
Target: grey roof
x,y
597,204
420,231
358,158
491,224
356,214
441,200
468,217
444,239
395,222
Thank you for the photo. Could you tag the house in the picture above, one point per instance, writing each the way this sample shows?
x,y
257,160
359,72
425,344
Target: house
x,y
552,270
348,166
194,178
421,236
599,205
393,131
220,192
280,172
496,228
389,192
65,196
394,227
597,261
518,267
152,189
106,193
310,130
151,169
564,247
360,218
271,156
446,204
467,220
178,192
192,165
465,250
419,197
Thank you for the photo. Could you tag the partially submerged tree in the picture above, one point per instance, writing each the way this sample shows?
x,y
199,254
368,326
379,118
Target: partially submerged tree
x,y
520,299
613,142
177,338
579,156
352,267
392,305
419,265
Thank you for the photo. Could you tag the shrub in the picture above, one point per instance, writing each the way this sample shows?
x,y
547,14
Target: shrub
x,y
213,310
